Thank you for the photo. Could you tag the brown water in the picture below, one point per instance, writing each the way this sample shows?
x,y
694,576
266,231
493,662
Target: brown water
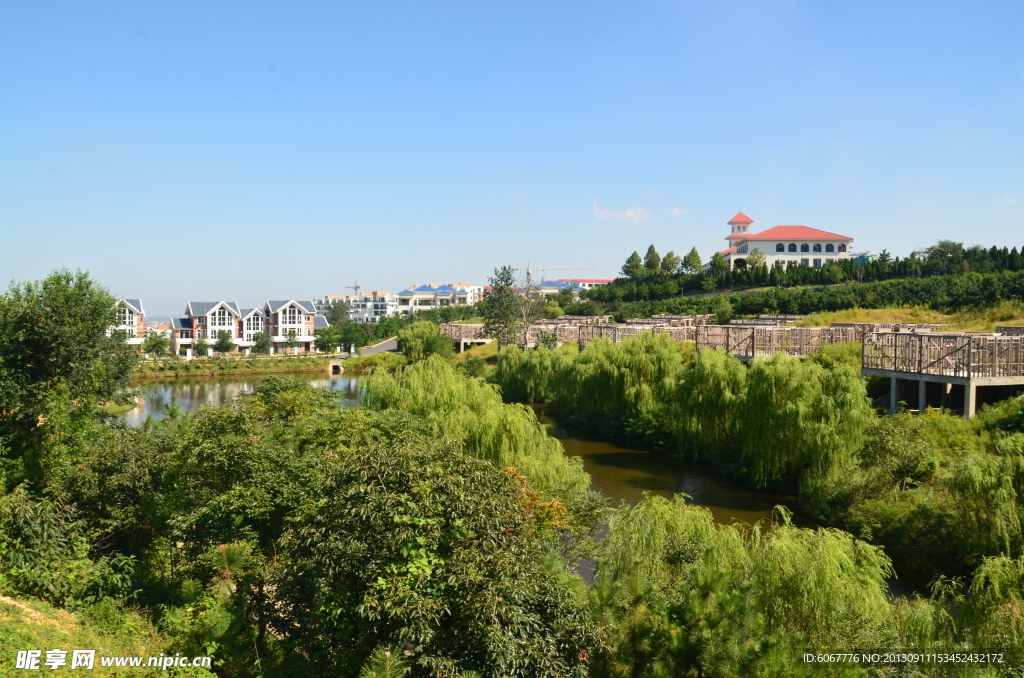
x,y
620,473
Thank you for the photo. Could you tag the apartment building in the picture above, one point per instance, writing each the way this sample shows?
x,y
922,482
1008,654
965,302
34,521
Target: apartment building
x,y
425,297
372,307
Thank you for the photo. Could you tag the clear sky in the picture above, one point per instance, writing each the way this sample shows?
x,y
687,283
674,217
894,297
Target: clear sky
x,y
254,150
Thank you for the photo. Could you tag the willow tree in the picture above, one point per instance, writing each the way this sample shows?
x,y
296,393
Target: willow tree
x,y
471,413
800,417
684,596
709,402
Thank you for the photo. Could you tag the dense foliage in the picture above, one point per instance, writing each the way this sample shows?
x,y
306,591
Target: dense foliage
x,y
937,292
941,493
57,364
655,278
437,531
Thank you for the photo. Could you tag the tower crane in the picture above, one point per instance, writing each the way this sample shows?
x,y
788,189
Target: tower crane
x,y
354,287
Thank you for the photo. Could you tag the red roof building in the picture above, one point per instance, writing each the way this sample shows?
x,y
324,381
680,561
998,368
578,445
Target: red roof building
x,y
791,245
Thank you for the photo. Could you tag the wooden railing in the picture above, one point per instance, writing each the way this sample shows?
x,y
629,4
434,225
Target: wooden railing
x,y
752,341
950,355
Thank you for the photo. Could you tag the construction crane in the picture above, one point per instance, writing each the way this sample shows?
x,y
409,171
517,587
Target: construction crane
x,y
529,272
354,287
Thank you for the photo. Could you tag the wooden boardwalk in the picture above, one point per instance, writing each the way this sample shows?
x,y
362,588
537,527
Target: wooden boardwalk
x,y
967,360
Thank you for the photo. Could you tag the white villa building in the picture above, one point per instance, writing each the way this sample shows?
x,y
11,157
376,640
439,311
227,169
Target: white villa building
x,y
425,297
797,244
131,319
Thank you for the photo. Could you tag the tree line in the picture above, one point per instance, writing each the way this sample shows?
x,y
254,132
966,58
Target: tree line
x,y
943,292
655,278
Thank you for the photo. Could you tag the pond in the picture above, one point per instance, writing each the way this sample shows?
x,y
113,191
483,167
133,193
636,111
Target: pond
x,y
620,473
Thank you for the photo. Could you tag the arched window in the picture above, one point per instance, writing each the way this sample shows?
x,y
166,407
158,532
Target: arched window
x,y
805,248
830,248
780,247
842,248
817,247
792,247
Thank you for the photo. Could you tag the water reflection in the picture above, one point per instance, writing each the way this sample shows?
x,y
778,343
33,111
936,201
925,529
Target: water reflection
x,y
620,473
191,393
625,475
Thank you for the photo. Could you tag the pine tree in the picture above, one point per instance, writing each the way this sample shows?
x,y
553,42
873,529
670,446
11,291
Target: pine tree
x,y
633,268
652,260
692,262
671,263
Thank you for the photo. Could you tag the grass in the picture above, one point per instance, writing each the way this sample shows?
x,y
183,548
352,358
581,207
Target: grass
x,y
388,361
967,320
117,409
29,624
176,367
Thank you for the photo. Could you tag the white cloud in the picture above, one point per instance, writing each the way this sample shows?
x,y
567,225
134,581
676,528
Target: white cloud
x,y
1008,198
636,213
677,212
654,193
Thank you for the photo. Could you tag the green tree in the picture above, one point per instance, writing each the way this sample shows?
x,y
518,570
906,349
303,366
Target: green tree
x,y
756,258
56,364
502,308
261,343
547,339
652,260
291,339
422,340
384,663
719,264
415,543
200,348
692,263
634,266
671,263
338,313
156,344
328,339
224,342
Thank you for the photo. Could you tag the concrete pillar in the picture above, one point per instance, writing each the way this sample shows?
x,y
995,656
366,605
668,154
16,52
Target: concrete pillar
x,y
970,400
922,398
894,394
946,389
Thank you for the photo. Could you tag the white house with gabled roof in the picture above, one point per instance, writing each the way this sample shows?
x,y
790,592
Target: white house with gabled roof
x,y
286,316
131,319
203,320
795,245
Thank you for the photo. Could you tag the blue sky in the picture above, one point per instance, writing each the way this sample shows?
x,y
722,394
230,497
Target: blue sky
x,y
282,150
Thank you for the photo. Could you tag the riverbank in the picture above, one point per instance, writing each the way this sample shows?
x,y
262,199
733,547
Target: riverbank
x,y
209,367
